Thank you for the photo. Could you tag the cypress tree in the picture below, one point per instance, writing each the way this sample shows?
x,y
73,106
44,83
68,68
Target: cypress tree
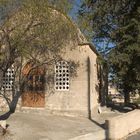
x,y
119,23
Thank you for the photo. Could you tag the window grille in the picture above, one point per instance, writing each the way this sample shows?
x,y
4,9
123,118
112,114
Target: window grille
x,y
8,79
62,76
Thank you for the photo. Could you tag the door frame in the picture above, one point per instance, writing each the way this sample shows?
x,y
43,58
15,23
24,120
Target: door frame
x,y
27,69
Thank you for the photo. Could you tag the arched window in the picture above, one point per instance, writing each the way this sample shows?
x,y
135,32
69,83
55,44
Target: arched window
x,y
62,76
8,79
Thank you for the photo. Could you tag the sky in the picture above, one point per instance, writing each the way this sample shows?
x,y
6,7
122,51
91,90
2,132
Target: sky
x,y
102,45
74,11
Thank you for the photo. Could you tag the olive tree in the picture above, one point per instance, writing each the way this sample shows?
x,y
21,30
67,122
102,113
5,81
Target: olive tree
x,y
36,31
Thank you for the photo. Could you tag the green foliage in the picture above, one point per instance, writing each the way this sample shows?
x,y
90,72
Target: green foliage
x,y
65,6
4,2
37,31
126,64
119,23
109,100
34,31
137,101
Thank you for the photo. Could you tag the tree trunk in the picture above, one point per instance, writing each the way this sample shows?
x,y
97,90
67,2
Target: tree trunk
x,y
1,76
126,97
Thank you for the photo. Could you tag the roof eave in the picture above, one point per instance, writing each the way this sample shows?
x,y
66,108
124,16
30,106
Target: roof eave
x,y
92,47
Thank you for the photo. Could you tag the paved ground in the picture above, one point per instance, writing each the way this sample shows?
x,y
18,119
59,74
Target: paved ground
x,y
43,126
30,126
135,136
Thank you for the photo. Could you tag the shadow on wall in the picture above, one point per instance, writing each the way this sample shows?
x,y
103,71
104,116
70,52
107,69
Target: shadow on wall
x,y
89,86
102,71
101,87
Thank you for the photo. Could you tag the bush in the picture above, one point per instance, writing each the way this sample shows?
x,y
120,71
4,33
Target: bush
x,y
109,100
137,101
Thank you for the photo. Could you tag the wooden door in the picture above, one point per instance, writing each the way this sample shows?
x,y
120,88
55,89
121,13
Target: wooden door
x,y
34,94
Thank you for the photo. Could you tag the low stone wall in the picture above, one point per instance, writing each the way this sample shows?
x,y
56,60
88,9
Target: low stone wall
x,y
121,126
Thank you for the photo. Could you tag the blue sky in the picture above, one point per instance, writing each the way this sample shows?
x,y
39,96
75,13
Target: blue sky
x,y
74,11
99,45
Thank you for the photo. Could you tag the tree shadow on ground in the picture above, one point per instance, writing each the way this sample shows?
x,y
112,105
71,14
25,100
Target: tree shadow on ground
x,y
102,125
5,116
121,107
